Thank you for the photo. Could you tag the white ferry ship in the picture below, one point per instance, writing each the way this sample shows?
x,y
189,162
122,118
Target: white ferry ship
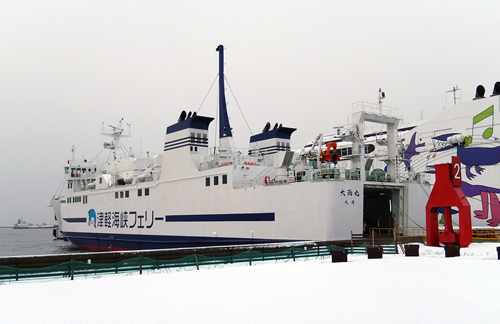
x,y
22,224
193,195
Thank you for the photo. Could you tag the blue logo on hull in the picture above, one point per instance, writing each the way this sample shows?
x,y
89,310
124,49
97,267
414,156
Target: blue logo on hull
x,y
92,218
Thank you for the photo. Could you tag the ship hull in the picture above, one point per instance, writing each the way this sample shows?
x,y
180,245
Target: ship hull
x,y
168,218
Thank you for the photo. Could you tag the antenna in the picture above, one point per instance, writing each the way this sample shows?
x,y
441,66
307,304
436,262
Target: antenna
x,y
381,95
455,89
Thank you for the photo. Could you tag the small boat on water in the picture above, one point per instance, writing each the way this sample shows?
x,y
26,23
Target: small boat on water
x,y
21,224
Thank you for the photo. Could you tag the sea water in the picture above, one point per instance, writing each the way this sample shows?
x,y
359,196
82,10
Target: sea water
x,y
17,242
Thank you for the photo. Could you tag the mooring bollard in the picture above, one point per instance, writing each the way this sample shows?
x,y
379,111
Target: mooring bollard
x,y
339,255
374,252
451,251
196,261
411,250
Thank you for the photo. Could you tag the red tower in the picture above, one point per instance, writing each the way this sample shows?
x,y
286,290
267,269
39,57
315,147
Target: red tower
x,y
447,193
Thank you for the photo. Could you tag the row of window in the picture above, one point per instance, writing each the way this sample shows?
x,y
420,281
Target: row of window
x,y
126,194
77,172
118,194
216,180
77,199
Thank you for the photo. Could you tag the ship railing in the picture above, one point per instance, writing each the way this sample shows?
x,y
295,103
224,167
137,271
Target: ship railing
x,y
98,159
375,109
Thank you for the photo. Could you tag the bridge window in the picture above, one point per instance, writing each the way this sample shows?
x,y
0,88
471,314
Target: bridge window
x,y
224,178
216,180
146,192
207,182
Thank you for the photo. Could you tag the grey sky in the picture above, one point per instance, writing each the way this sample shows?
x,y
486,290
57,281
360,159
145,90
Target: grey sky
x,y
68,66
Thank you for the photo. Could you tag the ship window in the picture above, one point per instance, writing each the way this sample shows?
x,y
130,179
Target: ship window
x,y
139,192
121,194
69,200
192,137
191,148
224,178
205,140
66,170
126,194
116,195
100,180
196,148
198,137
85,199
207,182
146,191
216,180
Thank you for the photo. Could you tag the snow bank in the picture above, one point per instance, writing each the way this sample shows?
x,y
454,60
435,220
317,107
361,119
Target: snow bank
x,y
395,289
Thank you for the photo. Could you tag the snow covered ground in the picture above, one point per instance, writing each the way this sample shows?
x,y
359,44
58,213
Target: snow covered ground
x,y
395,289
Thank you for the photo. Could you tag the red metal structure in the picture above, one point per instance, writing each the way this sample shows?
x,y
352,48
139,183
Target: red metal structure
x,y
447,193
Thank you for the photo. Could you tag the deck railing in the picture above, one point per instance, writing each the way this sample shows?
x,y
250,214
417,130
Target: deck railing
x,y
478,234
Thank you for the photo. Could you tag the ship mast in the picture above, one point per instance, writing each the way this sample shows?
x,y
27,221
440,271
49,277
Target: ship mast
x,y
225,134
116,133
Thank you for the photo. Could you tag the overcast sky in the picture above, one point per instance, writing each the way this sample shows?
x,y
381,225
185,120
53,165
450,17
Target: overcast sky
x,y
68,66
